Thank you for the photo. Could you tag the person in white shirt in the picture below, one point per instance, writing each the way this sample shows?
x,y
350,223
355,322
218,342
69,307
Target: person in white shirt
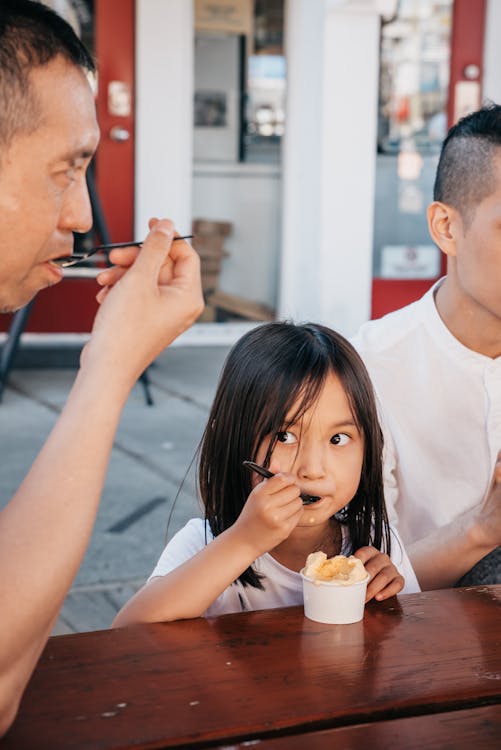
x,y
48,134
436,367
296,398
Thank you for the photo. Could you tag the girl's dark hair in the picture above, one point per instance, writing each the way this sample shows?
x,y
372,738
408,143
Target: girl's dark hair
x,y
269,370
31,35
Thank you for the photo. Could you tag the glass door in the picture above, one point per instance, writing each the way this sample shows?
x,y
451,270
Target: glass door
x,y
430,71
239,103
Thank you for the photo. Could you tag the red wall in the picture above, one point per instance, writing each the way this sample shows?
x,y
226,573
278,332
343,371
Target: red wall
x,y
70,306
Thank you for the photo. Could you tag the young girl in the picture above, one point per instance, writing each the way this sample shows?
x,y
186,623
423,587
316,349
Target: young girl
x,y
296,399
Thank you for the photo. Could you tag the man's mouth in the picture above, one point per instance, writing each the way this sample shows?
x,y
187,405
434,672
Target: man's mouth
x,y
56,272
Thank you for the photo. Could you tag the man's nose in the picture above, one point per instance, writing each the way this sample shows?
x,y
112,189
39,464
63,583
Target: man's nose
x,y
76,214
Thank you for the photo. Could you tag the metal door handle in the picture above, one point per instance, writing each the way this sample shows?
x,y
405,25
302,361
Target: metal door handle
x,y
119,134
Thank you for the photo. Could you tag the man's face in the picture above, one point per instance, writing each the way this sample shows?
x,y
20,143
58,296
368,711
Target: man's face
x,y
43,192
478,257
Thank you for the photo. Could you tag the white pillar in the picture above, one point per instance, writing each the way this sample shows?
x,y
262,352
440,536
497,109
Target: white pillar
x,y
164,112
332,50
301,158
492,52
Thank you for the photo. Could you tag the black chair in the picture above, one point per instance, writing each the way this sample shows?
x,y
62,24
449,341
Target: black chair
x,y
9,349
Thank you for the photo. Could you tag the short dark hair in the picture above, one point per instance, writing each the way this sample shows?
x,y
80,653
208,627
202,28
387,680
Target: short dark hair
x,y
31,35
465,172
268,371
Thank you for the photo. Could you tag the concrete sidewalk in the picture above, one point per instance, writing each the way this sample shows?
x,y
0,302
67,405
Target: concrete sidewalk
x,y
141,505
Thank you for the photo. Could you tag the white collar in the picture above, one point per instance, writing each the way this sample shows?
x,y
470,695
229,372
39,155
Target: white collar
x,y
442,335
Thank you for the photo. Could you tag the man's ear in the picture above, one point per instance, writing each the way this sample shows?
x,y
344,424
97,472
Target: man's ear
x,y
444,223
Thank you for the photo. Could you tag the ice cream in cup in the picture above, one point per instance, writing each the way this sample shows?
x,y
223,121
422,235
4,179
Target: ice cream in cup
x,y
334,588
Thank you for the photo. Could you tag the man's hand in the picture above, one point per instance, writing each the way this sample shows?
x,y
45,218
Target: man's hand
x,y
122,259
444,556
145,304
489,512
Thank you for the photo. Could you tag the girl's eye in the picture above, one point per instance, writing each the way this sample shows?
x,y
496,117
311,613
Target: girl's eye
x,y
286,437
340,438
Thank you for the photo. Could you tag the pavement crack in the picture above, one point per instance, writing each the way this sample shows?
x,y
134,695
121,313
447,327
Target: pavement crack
x,y
119,446
136,515
177,394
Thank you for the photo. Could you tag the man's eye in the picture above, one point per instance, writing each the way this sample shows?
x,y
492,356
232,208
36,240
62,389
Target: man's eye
x,y
78,170
73,171
286,437
340,439
65,176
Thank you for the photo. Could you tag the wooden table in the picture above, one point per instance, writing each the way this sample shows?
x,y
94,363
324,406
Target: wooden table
x,y
223,680
477,728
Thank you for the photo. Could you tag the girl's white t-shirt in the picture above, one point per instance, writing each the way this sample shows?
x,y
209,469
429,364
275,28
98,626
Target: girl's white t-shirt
x,y
282,587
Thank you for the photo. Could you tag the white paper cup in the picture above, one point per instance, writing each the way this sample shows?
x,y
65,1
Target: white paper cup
x,y
334,603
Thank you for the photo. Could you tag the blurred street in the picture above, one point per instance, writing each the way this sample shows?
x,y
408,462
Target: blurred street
x,y
152,454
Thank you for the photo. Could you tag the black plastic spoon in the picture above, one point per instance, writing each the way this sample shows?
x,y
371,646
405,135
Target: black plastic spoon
x,y
73,260
307,499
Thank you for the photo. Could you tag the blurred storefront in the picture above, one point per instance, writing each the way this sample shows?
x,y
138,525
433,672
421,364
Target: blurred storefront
x,y
391,77
301,135
430,75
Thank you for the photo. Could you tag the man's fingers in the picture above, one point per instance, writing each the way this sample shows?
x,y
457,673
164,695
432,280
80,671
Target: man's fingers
x,y
497,469
100,296
493,495
185,265
156,247
124,256
110,276
181,264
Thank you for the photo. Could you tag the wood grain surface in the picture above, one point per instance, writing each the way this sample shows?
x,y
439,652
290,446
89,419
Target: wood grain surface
x,y
262,674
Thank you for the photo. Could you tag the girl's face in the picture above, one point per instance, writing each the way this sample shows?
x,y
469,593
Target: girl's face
x,y
324,451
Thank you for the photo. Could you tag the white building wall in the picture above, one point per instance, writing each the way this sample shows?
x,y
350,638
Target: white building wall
x,y
329,155
350,96
299,274
164,112
492,52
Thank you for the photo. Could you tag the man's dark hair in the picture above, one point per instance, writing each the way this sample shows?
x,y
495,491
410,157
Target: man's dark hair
x,y
465,173
31,35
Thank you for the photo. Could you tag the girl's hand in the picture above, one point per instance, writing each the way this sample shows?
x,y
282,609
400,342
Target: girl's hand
x,y
385,580
271,512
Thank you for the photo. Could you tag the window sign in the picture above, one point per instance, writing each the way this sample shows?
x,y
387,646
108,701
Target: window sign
x,y
227,16
410,262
